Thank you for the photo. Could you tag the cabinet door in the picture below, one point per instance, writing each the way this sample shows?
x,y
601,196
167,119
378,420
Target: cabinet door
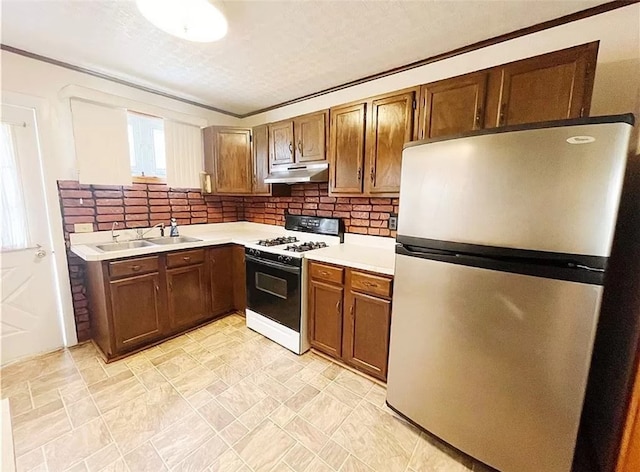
x,y
136,310
310,135
390,127
260,160
221,276
346,152
232,160
453,106
281,143
325,317
187,296
550,87
366,333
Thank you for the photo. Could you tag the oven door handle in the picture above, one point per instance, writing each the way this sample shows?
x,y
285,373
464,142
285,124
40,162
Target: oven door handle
x,y
275,265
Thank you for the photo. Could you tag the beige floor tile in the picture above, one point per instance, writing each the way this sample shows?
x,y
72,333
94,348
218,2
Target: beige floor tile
x,y
433,456
116,466
36,367
332,371
298,401
354,382
74,392
82,412
295,383
202,457
92,374
54,380
176,365
34,414
271,386
213,363
136,421
282,415
30,461
216,415
228,461
228,374
118,394
217,388
299,458
234,432
19,402
194,380
325,413
377,395
319,381
216,342
241,397
182,438
342,394
76,445
117,367
377,438
200,398
108,383
333,454
83,352
282,467
104,457
45,398
354,465
79,467
139,363
153,352
307,434
263,447
144,459
255,415
35,433
318,465
152,379
283,369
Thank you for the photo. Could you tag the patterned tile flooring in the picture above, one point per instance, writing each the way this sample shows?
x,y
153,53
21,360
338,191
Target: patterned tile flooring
x,y
218,399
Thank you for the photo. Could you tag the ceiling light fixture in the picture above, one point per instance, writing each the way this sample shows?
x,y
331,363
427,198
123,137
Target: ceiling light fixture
x,y
194,20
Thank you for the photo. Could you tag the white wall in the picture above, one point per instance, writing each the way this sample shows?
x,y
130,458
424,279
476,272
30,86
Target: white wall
x,y
616,86
46,88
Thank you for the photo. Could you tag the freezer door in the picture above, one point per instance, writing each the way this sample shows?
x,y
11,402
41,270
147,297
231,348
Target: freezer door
x,y
493,363
529,189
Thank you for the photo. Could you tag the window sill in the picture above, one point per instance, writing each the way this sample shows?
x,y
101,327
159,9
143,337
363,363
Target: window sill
x,y
138,179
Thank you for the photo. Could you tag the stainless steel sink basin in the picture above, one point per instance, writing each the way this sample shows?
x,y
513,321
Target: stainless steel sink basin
x,y
123,245
174,240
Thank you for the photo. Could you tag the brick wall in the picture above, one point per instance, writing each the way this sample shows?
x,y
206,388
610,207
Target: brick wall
x,y
144,205
138,205
360,215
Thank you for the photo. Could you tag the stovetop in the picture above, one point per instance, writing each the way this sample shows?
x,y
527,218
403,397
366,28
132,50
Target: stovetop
x,y
306,246
277,241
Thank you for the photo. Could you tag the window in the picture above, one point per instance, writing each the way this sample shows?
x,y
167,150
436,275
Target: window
x,y
146,146
14,228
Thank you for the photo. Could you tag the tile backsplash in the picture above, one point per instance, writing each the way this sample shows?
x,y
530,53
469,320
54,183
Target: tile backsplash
x,y
144,205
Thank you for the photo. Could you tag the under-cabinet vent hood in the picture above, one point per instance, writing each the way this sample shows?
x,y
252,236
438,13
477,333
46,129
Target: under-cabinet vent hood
x,y
296,174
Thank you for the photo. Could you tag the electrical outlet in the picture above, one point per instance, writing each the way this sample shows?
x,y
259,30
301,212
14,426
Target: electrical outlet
x,y
83,227
393,222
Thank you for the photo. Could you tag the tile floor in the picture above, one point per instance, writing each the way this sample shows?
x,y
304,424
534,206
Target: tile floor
x,y
218,399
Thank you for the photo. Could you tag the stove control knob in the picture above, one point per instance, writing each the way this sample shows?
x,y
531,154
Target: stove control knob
x,y
280,258
257,253
287,259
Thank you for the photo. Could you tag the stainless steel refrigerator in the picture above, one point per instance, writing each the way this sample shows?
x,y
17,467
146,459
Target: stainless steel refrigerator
x,y
503,241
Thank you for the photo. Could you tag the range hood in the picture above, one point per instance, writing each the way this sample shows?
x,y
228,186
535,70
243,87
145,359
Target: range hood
x,y
300,173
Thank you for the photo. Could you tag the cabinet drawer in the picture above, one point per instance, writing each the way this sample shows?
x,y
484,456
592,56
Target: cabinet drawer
x,y
372,284
183,258
130,267
327,273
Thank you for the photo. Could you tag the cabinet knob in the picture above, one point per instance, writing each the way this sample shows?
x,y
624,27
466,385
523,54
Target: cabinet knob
x,y
300,147
213,261
369,284
136,268
372,175
291,147
186,258
324,272
478,117
503,109
338,307
359,174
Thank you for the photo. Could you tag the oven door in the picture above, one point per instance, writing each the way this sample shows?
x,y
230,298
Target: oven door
x,y
273,290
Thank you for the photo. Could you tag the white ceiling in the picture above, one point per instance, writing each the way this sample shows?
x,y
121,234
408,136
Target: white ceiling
x,y
275,50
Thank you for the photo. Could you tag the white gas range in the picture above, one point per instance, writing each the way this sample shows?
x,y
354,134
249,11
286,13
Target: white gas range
x,y
277,277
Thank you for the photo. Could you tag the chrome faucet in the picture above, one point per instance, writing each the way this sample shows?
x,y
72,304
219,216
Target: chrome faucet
x,y
114,237
140,232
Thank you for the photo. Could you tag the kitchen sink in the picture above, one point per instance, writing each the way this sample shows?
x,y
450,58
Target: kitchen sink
x,y
123,245
174,240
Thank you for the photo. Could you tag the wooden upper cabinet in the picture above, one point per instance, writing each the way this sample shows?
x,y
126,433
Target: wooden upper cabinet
x,y
553,86
231,160
310,137
390,127
260,160
452,106
346,152
281,143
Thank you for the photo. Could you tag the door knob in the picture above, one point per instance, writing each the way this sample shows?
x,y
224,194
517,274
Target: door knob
x,y
40,252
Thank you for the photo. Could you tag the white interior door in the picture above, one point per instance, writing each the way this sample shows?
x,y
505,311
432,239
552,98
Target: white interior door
x,y
29,311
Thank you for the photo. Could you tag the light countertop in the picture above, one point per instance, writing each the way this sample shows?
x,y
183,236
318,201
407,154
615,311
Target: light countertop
x,y
83,244
369,253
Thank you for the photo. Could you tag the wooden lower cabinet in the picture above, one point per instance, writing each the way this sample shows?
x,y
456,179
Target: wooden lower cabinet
x,y
350,316
139,301
366,333
187,295
325,302
137,310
